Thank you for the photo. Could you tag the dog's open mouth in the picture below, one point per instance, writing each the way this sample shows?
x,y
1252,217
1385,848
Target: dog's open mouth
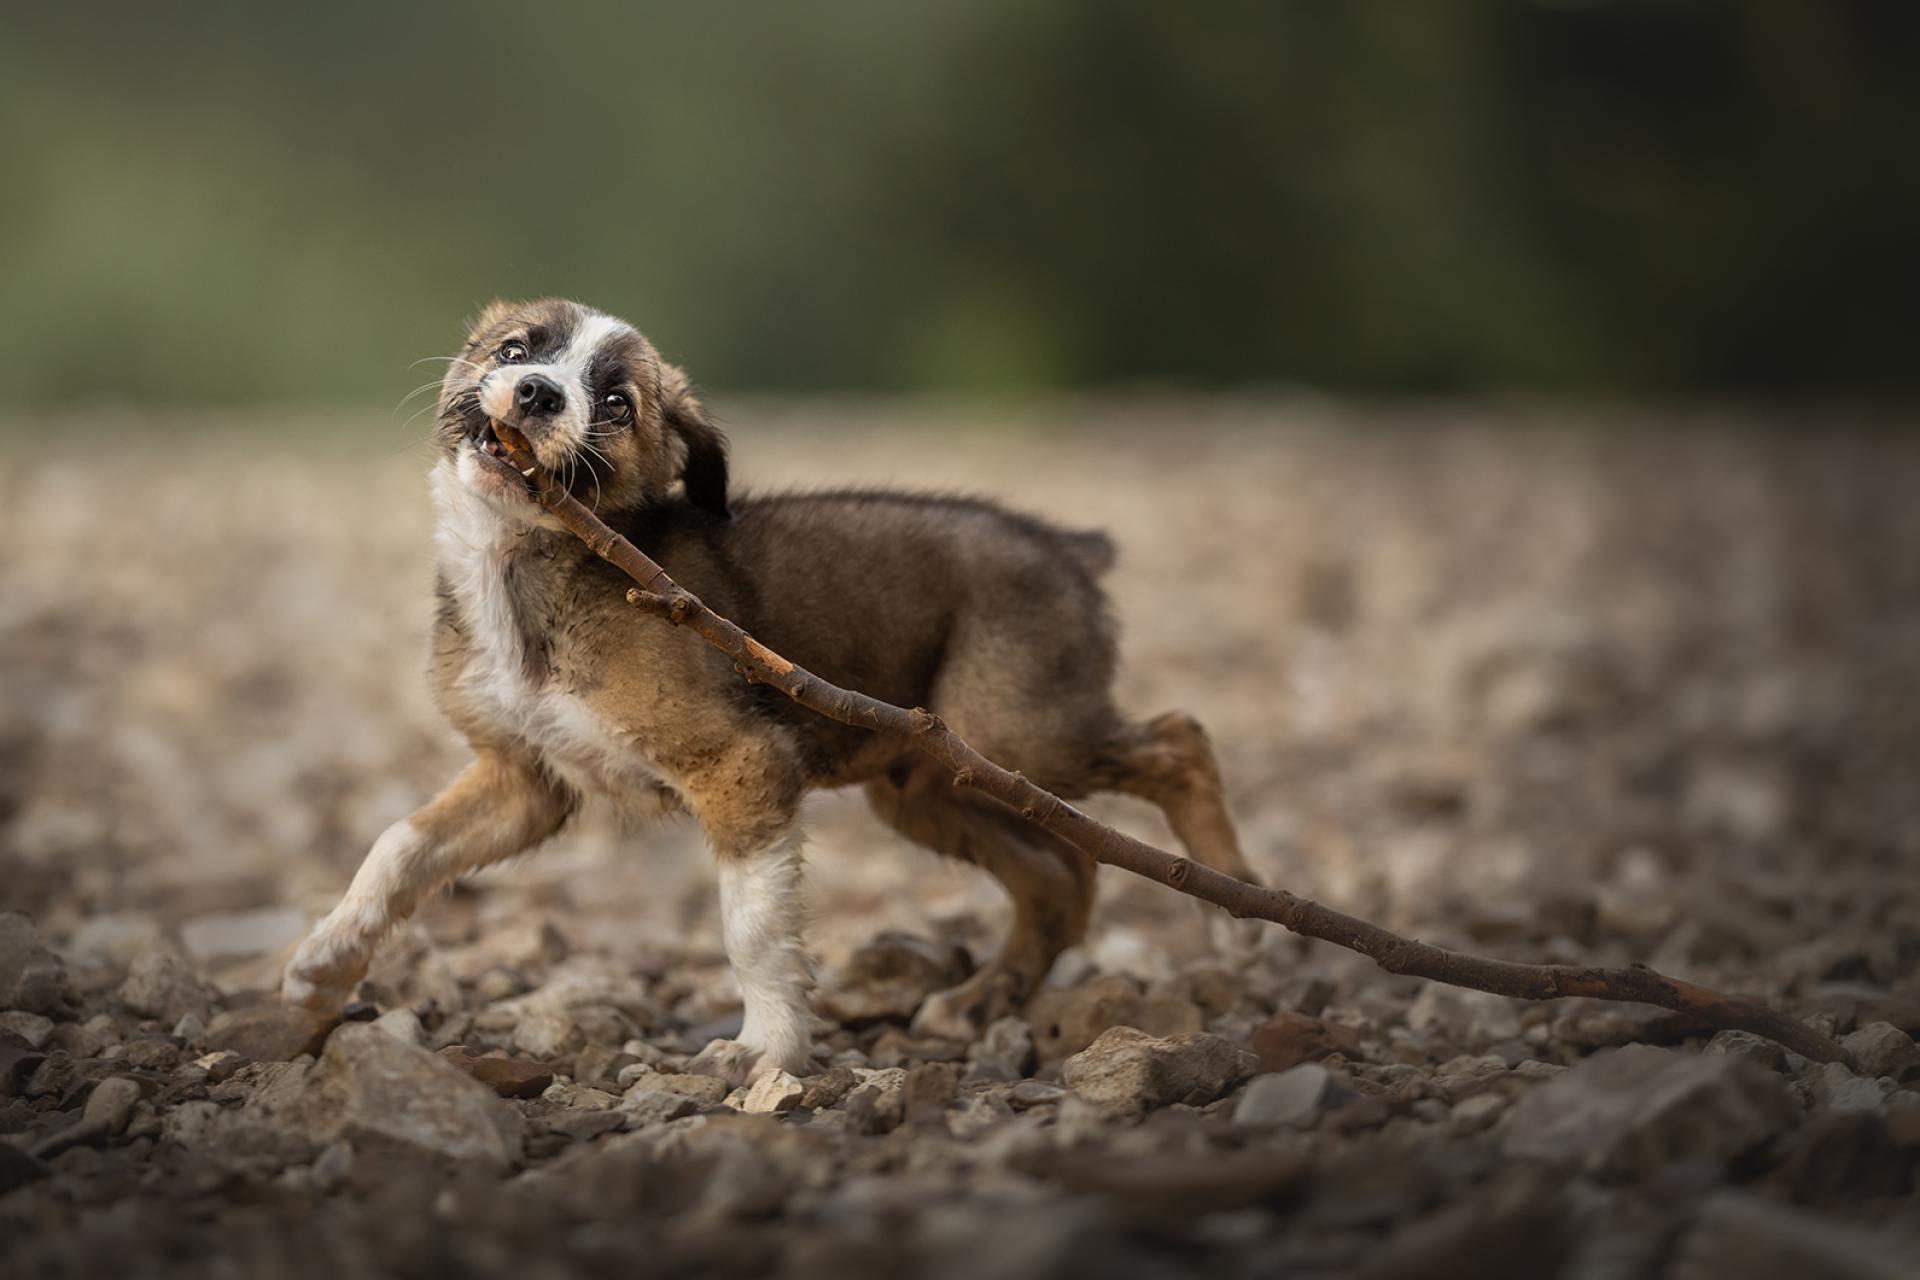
x,y
487,441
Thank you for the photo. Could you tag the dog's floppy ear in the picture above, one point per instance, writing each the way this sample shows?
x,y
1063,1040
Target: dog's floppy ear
x,y
705,471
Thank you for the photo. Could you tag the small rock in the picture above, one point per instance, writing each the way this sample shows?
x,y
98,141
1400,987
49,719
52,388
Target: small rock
x,y
1639,1110
929,1089
111,1103
269,1032
162,984
402,1024
646,1107
1282,1097
1742,1235
579,1097
546,1034
190,1029
1465,1017
1834,1087
1004,1050
1758,1050
19,1062
32,978
710,1090
829,1088
1471,1115
332,1167
599,1062
89,1039
33,1028
370,1089
1034,1093
1460,1077
772,1093
1126,1071
1289,1039
508,1077
1882,1049
220,1064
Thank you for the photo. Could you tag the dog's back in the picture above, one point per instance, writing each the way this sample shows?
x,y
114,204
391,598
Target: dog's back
x,y
991,618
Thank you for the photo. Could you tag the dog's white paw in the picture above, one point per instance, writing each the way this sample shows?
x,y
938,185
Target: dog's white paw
x,y
728,1060
319,980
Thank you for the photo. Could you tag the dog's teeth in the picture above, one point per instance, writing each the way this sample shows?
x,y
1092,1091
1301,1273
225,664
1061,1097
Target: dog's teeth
x,y
527,472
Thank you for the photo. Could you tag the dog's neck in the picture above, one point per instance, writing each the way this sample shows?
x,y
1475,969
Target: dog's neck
x,y
495,560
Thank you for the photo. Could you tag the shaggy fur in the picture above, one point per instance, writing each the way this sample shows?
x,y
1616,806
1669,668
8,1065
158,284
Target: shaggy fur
x,y
993,620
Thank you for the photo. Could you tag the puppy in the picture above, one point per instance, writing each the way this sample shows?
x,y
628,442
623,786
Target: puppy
x,y
993,620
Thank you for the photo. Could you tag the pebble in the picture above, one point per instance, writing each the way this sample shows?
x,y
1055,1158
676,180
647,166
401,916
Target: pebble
x,y
508,1077
771,1093
1882,1049
1283,1097
1288,1039
1066,1021
36,1029
377,1092
1128,1071
162,984
1639,1110
402,1024
32,978
268,1032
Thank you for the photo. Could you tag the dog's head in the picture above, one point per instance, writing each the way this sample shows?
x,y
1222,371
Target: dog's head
x,y
616,424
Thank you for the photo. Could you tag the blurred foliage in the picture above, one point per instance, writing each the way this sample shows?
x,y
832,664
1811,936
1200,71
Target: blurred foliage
x,y
236,202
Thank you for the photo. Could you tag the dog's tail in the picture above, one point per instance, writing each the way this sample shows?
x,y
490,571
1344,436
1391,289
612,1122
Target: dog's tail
x,y
1091,549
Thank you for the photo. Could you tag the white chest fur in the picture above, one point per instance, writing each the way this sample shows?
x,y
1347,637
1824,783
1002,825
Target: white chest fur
x,y
477,541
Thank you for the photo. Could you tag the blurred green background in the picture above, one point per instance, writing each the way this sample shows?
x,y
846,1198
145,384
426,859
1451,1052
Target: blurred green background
x,y
234,203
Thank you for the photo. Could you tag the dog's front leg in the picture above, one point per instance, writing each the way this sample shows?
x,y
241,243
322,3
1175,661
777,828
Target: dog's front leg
x,y
496,808
761,911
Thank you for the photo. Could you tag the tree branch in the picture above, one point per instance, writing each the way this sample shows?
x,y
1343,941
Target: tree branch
x,y
658,593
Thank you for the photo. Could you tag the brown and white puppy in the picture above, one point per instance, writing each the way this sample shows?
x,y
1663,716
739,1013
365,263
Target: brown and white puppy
x,y
991,619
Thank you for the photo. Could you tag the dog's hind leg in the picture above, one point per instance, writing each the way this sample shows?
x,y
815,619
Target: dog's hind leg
x,y
1049,881
497,807
1168,760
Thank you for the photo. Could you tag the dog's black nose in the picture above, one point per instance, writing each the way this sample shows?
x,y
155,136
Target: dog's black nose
x,y
538,396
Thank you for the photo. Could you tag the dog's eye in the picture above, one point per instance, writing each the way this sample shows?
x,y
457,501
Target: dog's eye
x,y
618,406
513,352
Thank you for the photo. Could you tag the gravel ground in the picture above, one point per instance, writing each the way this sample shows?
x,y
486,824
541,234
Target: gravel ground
x,y
1600,690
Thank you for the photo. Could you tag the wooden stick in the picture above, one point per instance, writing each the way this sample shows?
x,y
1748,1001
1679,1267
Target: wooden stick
x,y
660,594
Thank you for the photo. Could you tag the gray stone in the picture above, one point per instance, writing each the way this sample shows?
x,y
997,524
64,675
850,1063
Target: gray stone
x,y
33,1028
773,1092
645,1107
1640,1109
1744,1044
1466,1017
1126,1071
402,1024
709,1090
1882,1049
111,1104
161,984
1743,1235
1034,1093
1282,1097
546,1033
1004,1051
31,976
1834,1087
268,1032
378,1093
